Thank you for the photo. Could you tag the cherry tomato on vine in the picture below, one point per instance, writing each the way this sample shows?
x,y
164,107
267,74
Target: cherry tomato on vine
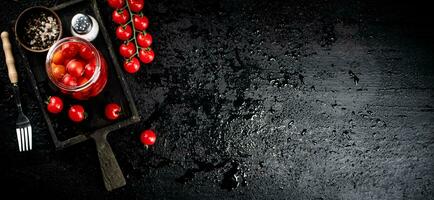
x,y
124,33
76,113
127,50
120,16
146,55
140,22
112,111
144,39
55,104
136,5
148,137
132,66
116,4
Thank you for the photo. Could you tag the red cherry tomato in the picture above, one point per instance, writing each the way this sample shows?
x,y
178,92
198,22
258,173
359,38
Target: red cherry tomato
x,y
120,16
144,40
75,67
57,71
69,50
82,81
146,55
76,113
69,80
55,105
148,137
112,111
116,4
85,91
57,58
124,33
66,61
127,50
140,22
132,66
99,84
89,69
136,5
96,87
86,52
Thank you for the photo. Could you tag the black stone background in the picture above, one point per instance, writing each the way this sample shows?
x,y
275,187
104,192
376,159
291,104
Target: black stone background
x,y
256,100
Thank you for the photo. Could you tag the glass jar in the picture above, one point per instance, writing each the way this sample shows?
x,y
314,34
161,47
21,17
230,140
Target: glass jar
x,y
76,67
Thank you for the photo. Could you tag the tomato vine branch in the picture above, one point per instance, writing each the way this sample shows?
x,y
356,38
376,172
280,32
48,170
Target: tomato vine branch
x,y
134,29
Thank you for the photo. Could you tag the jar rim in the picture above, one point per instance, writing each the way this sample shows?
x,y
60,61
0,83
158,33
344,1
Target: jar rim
x,y
58,44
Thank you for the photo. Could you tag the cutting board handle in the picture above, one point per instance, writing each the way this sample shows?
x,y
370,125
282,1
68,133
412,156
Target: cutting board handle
x,y
111,172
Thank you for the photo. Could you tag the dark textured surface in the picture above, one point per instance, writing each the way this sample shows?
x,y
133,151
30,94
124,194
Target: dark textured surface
x,y
257,100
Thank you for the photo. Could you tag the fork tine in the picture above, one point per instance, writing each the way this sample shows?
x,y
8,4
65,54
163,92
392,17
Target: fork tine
x,y
26,139
22,139
24,136
30,137
19,138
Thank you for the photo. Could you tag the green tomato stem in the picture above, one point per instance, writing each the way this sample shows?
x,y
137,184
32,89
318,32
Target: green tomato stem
x,y
134,28
131,57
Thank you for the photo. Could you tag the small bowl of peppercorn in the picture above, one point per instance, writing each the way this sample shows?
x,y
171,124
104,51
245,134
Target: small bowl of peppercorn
x,y
38,28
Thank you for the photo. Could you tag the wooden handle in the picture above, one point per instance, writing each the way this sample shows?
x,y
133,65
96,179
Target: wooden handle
x,y
111,172
10,62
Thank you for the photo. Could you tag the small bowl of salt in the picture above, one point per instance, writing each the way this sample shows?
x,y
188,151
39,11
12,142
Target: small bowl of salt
x,y
38,28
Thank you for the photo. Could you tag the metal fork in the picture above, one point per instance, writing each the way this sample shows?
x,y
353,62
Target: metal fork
x,y
23,127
